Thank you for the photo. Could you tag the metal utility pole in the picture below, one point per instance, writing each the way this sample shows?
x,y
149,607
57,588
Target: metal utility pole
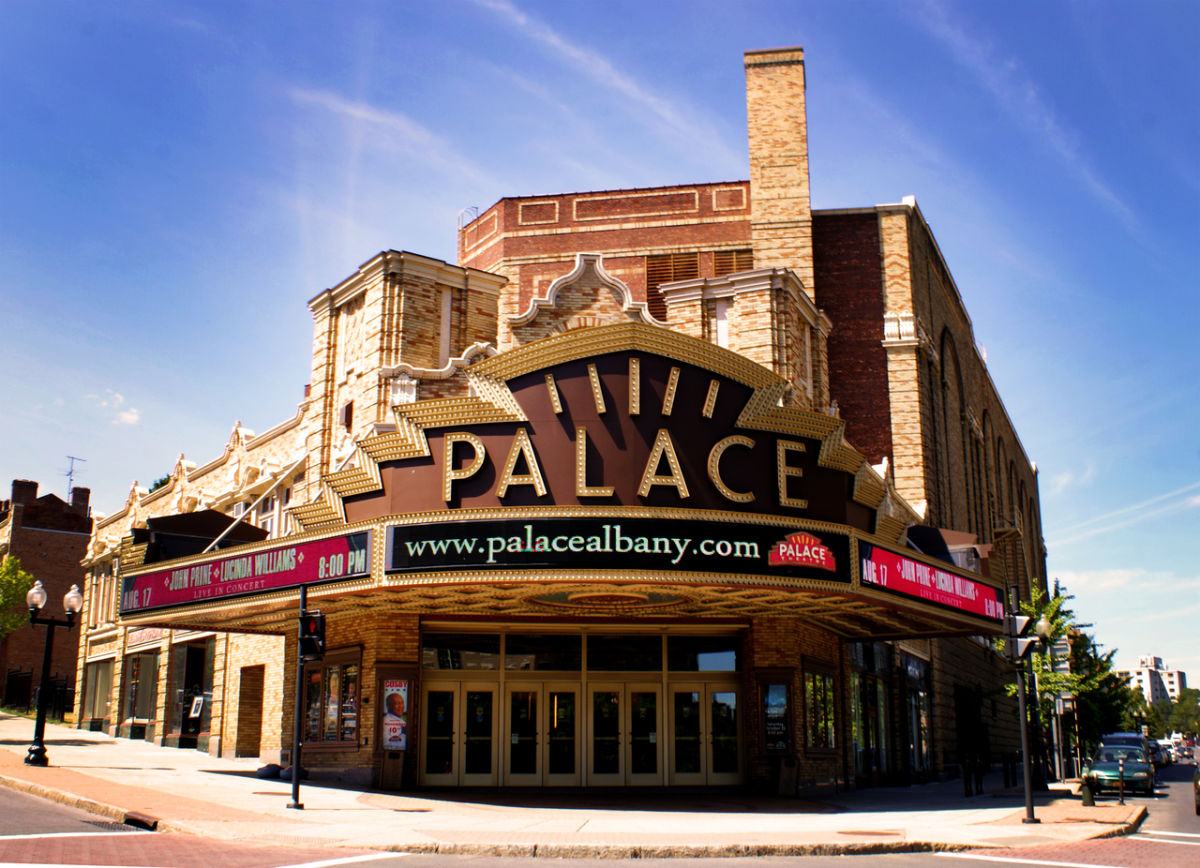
x,y
1015,626
296,721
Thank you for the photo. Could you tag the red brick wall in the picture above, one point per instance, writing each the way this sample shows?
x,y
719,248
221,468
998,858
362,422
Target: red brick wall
x,y
786,642
53,558
849,282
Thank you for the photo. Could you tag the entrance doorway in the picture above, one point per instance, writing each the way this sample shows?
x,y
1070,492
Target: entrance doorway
x,y
459,735
573,710
626,720
543,726
705,747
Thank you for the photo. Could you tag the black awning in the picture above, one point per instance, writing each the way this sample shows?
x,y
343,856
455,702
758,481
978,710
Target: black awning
x,y
190,533
929,541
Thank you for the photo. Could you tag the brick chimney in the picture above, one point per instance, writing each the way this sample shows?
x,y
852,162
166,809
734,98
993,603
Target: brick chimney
x,y
24,491
777,124
80,498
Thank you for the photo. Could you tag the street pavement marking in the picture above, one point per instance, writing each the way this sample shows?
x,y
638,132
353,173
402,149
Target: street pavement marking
x,y
1170,834
1015,861
1167,841
71,835
72,865
326,863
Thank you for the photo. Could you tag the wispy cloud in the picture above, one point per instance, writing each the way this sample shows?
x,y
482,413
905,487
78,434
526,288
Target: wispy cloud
x,y
402,132
666,112
1071,479
113,403
1135,513
1019,96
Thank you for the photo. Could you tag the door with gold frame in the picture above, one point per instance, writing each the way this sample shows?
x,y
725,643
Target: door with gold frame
x,y
542,730
459,734
625,744
705,729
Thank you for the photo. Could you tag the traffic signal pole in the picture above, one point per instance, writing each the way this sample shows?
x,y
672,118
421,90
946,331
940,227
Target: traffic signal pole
x,y
1026,763
1015,625
296,730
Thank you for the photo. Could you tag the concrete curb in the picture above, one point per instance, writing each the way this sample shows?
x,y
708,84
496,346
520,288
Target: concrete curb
x,y
141,820
111,812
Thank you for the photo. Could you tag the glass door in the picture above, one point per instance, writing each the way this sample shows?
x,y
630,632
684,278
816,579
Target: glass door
x,y
542,735
458,735
705,729
624,745
645,746
606,759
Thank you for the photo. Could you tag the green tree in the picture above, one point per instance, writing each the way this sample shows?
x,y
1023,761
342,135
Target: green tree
x,y
1185,712
14,585
1103,700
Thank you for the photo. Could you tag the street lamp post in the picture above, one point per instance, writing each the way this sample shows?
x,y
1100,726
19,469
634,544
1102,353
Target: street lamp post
x,y
36,599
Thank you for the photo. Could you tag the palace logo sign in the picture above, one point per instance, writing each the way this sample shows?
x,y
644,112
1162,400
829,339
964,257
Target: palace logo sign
x,y
802,550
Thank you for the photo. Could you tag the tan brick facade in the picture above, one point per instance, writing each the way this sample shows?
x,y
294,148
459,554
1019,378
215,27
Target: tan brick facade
x,y
847,321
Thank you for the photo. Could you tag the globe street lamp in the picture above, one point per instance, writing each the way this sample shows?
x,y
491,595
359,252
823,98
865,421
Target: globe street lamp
x,y
36,599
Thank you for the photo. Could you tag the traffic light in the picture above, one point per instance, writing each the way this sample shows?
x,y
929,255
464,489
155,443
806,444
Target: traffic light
x,y
312,635
1015,642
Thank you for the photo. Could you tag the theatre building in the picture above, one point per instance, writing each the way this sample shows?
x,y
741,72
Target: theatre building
x,y
688,486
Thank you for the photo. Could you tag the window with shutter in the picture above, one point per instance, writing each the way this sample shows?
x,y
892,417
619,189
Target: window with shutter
x,y
664,268
732,261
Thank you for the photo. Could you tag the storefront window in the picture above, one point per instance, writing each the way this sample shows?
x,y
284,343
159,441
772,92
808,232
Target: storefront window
x,y
702,653
869,680
96,696
190,694
624,653
820,732
559,653
917,689
460,651
331,691
141,695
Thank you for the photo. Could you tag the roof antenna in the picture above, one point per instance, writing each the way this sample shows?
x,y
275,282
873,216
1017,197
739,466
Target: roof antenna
x,y
71,474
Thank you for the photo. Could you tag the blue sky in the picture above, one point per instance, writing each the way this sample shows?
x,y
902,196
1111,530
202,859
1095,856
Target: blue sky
x,y
179,178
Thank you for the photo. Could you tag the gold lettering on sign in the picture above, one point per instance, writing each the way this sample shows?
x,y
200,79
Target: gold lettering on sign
x,y
669,397
635,386
552,388
582,489
784,471
710,402
597,395
449,474
521,447
663,447
714,468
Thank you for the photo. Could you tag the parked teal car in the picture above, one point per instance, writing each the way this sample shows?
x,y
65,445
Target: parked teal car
x,y
1105,771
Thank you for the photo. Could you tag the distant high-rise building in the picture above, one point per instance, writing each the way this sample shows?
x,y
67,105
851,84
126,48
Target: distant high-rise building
x,y
1155,680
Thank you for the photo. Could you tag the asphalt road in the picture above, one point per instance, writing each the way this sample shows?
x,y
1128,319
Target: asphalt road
x,y
1169,838
33,831
39,832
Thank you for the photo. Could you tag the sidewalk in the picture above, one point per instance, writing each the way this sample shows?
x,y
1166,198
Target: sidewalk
x,y
188,791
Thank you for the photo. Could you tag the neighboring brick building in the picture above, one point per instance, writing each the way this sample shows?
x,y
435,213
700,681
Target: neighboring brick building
x,y
49,536
624,498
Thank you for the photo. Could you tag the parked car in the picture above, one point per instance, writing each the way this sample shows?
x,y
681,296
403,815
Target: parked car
x,y
1113,764
1196,788
1160,755
1128,739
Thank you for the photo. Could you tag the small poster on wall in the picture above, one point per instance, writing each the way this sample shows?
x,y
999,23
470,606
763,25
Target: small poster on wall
x,y
395,714
197,708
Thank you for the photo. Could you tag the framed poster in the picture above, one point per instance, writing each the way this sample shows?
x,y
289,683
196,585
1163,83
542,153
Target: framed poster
x,y
197,707
395,714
